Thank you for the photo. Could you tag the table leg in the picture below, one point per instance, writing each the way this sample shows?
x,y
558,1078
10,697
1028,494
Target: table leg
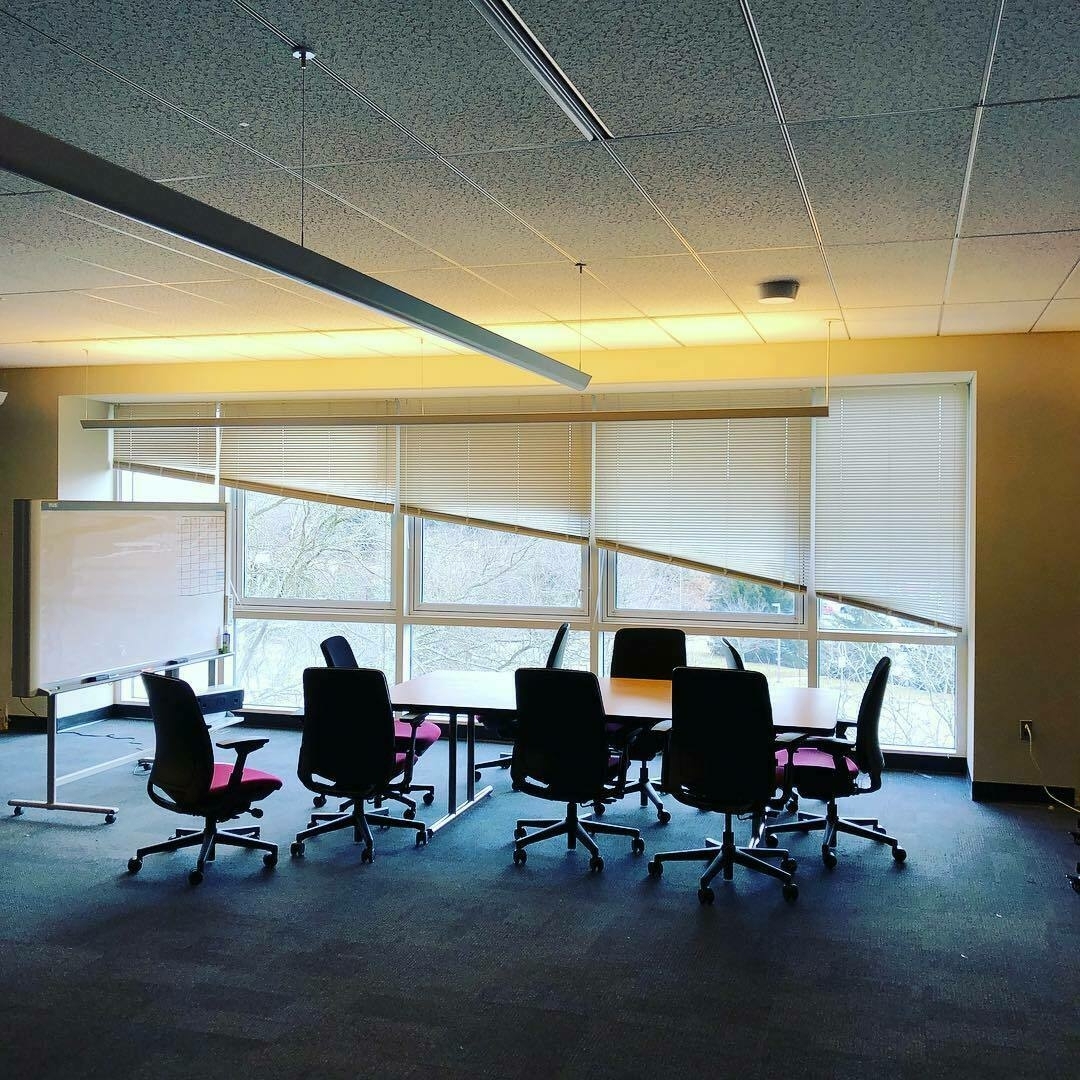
x,y
472,796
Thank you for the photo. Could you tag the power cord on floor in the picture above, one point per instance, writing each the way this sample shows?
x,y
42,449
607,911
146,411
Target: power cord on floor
x,y
1038,768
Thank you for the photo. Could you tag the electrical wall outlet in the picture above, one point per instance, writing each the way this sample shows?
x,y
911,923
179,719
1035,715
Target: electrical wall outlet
x,y
1027,730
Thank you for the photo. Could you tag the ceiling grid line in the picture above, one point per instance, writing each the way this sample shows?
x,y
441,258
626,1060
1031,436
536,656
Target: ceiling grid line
x,y
969,169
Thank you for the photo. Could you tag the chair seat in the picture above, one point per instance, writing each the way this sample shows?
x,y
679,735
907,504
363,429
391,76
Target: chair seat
x,y
254,784
427,735
814,773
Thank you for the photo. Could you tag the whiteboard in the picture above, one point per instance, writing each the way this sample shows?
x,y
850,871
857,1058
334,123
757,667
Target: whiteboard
x,y
111,586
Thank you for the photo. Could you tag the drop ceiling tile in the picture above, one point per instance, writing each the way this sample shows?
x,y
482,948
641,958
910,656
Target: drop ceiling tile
x,y
556,289
850,58
1015,317
51,89
890,275
1026,177
60,317
740,273
577,196
1022,267
271,200
888,322
1060,315
1071,289
885,178
39,272
628,334
427,200
711,330
723,190
465,295
437,68
664,285
13,184
287,302
683,64
1036,52
797,326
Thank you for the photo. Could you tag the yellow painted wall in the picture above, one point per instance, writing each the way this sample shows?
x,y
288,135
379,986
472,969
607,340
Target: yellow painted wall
x,y
1026,656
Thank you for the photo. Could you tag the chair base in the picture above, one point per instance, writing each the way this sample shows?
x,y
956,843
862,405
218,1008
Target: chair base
x,y
832,825
574,827
724,855
357,819
501,762
401,796
643,786
207,839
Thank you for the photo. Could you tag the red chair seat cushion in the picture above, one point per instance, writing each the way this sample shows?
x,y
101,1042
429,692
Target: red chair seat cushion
x,y
814,773
427,735
254,785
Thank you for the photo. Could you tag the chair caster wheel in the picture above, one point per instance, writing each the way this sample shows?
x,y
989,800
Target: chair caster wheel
x,y
637,845
270,859
771,841
656,868
110,818
1074,880
429,797
789,866
520,856
899,854
134,865
477,776
367,855
319,801
792,805
410,814
705,895
596,863
598,809
663,816
879,829
828,856
422,839
791,891
520,833
195,877
296,849
17,812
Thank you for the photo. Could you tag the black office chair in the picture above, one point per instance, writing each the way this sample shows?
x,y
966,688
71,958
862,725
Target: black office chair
x,y
720,757
735,660
413,735
349,751
646,652
503,726
829,769
186,779
561,752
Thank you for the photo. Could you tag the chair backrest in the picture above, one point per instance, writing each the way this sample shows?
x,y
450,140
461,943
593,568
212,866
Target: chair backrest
x,y
647,652
183,755
868,753
348,736
558,647
560,746
720,752
337,653
735,661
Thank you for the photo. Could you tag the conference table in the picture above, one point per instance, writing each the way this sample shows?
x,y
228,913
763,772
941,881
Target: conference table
x,y
810,710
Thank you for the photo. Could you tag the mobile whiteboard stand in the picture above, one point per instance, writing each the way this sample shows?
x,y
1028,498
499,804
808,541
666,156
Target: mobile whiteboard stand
x,y
52,781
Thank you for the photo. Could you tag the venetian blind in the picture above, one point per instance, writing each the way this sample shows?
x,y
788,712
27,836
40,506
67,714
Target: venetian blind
x,y
529,477
723,495
184,453
891,501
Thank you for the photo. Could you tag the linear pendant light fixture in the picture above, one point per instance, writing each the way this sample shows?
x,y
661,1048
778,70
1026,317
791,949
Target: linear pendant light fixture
x,y
33,154
523,43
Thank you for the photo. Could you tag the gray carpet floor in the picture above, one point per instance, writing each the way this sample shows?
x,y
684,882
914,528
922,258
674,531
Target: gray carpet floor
x,y
448,961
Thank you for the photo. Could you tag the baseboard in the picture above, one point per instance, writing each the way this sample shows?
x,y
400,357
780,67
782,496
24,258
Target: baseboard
x,y
289,720
938,764
988,791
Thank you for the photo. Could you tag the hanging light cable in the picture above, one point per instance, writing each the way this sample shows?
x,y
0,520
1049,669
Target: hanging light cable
x,y
580,287
303,54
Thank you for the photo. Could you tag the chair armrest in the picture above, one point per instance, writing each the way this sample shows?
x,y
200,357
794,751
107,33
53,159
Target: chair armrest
x,y
830,745
790,738
414,718
243,748
662,728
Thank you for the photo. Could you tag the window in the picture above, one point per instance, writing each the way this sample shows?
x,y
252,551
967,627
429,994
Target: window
x,y
836,616
920,700
490,648
650,585
306,551
271,655
463,566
